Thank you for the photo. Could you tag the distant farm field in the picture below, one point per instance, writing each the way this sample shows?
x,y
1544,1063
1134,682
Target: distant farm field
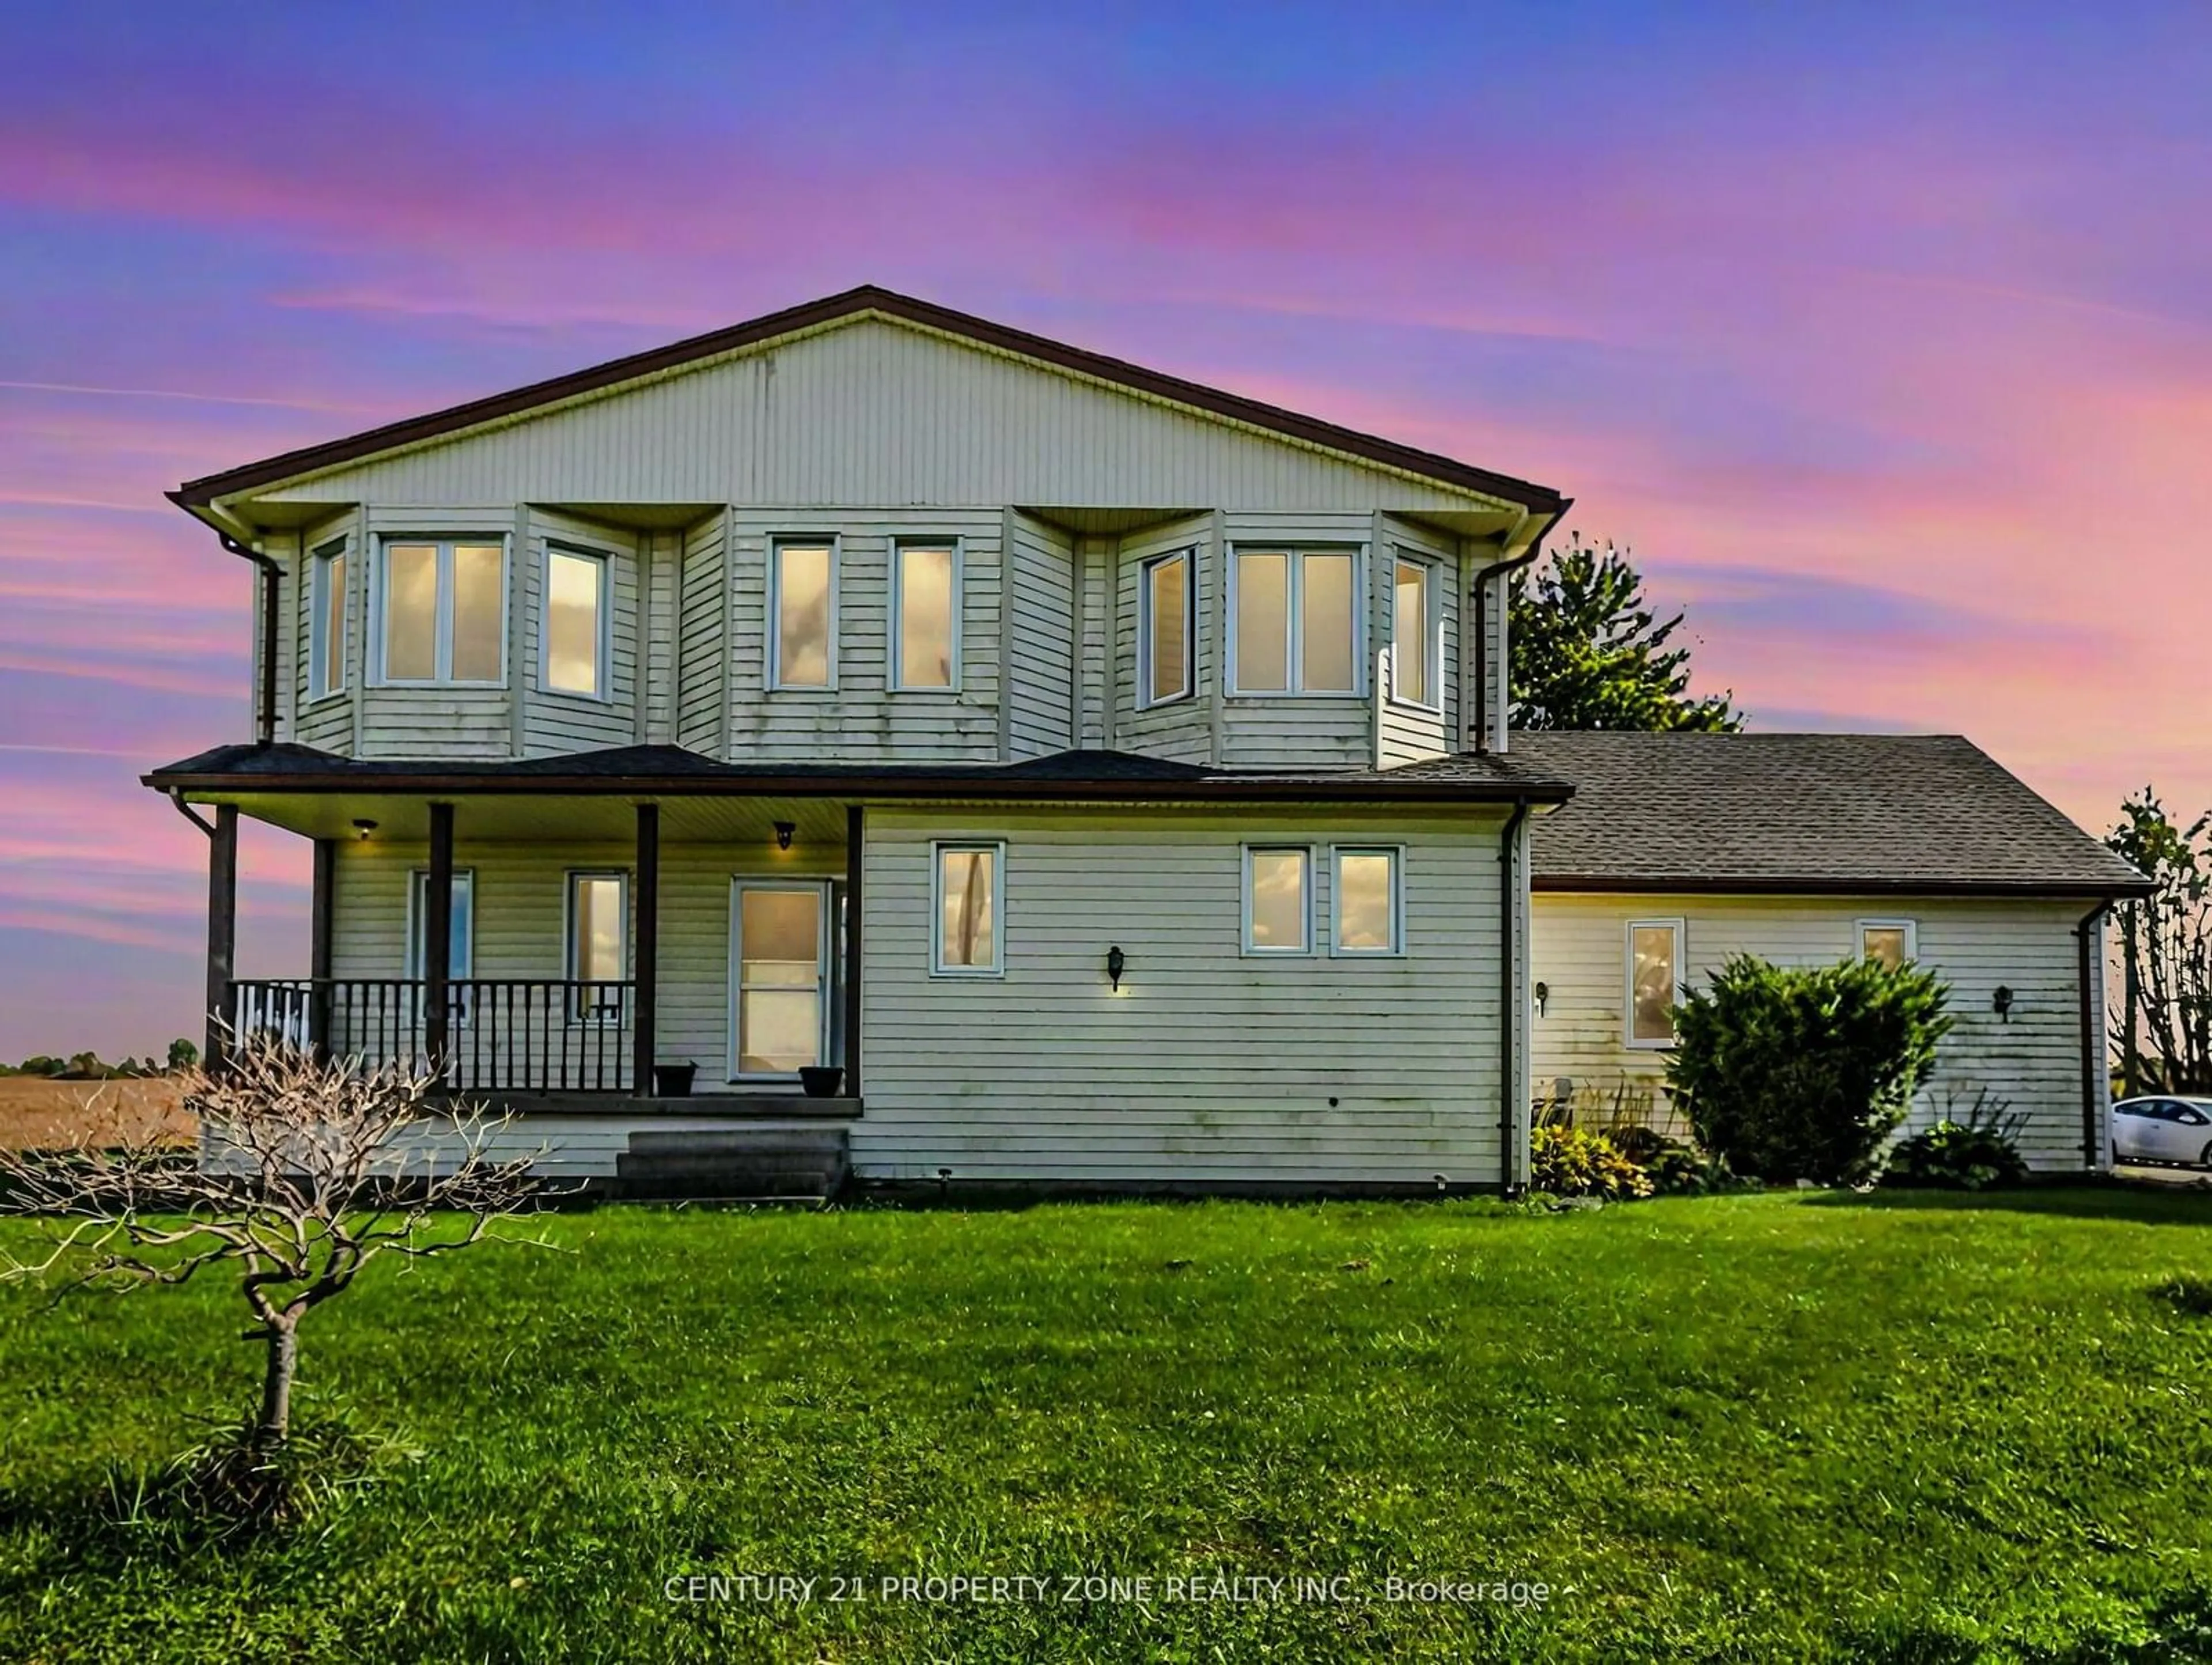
x,y
35,1111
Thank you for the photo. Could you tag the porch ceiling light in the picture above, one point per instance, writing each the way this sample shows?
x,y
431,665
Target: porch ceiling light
x,y
364,826
783,832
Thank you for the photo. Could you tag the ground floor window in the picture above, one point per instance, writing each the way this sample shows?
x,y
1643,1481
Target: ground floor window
x,y
1278,900
1890,941
598,943
969,883
1654,981
460,963
1368,911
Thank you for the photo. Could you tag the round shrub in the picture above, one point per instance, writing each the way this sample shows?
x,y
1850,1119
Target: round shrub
x,y
1790,1073
1957,1157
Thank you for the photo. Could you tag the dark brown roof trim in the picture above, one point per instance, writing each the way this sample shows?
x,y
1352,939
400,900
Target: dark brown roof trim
x,y
1828,885
961,788
204,491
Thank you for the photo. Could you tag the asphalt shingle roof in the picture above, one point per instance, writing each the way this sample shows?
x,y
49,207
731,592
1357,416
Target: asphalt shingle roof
x,y
1778,812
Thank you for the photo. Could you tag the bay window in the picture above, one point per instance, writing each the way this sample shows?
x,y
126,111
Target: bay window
x,y
326,620
1297,622
575,622
444,609
1165,635
1416,633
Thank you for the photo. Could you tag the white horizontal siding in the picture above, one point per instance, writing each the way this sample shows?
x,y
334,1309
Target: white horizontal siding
x,y
862,719
874,412
1580,949
703,675
557,723
1210,1066
1180,729
1039,623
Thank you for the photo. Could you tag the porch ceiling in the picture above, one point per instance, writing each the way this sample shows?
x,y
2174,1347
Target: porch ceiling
x,y
519,819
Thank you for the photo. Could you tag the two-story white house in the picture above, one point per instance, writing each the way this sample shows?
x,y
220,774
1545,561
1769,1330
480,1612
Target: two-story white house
x,y
1066,772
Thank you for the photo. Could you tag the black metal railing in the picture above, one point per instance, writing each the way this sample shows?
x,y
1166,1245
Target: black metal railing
x,y
502,1034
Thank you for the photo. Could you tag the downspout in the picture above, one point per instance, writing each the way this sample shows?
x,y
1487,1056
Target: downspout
x,y
271,571
1509,913
1498,569
2093,1029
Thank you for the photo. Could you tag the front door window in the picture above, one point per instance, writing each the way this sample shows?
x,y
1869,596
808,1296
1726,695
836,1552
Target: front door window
x,y
780,977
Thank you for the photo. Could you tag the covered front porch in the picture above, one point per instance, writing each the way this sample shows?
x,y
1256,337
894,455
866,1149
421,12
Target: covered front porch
x,y
566,955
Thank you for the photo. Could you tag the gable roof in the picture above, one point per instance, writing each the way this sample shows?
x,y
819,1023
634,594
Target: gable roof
x,y
1907,814
866,300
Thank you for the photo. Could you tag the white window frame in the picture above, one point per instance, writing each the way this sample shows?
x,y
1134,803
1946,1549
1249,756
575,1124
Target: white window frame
x,y
327,660
1911,927
413,953
776,545
1147,575
441,653
1397,948
579,1014
603,668
938,850
1279,846
1433,630
899,547
1295,621
1628,979
824,947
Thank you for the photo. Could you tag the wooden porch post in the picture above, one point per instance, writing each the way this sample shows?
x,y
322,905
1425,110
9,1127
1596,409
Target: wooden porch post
x,y
321,949
438,939
222,929
855,845
647,972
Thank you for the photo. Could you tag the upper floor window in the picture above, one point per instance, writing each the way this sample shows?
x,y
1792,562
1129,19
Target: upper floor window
x,y
1890,941
326,620
576,622
1297,625
1416,633
803,604
1654,981
926,652
1164,628
444,609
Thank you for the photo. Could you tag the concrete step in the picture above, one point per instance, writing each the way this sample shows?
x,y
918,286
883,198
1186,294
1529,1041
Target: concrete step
x,y
733,1163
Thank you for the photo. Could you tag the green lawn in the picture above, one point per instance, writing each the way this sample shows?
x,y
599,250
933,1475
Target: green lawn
x,y
1753,1427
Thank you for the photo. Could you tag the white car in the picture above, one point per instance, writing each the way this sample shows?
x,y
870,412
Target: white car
x,y
2163,1129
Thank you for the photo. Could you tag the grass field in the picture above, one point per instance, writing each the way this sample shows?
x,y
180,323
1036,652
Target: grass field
x,y
1783,1426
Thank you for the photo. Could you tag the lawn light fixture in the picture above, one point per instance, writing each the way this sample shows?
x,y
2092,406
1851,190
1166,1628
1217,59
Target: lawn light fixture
x,y
2003,1001
783,832
1543,993
364,826
1116,963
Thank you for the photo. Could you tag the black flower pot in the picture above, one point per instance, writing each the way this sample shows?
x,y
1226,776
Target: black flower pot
x,y
821,1080
673,1080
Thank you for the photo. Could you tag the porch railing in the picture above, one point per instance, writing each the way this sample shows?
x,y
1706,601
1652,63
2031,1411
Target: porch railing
x,y
502,1034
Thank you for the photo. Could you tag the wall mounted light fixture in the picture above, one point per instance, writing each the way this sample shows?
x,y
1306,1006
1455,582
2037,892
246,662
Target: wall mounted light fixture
x,y
364,826
1116,963
783,832
1543,993
2003,1001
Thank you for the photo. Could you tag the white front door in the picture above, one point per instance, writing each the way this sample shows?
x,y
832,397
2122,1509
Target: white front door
x,y
779,976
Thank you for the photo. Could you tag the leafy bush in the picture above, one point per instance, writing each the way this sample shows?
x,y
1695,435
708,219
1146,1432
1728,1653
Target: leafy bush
x,y
1791,1073
1963,1153
1569,1162
1675,1170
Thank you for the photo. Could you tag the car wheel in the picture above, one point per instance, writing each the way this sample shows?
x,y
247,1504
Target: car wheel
x,y
2204,1157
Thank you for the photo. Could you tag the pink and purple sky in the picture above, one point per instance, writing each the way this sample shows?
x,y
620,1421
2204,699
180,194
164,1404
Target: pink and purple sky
x,y
1883,334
